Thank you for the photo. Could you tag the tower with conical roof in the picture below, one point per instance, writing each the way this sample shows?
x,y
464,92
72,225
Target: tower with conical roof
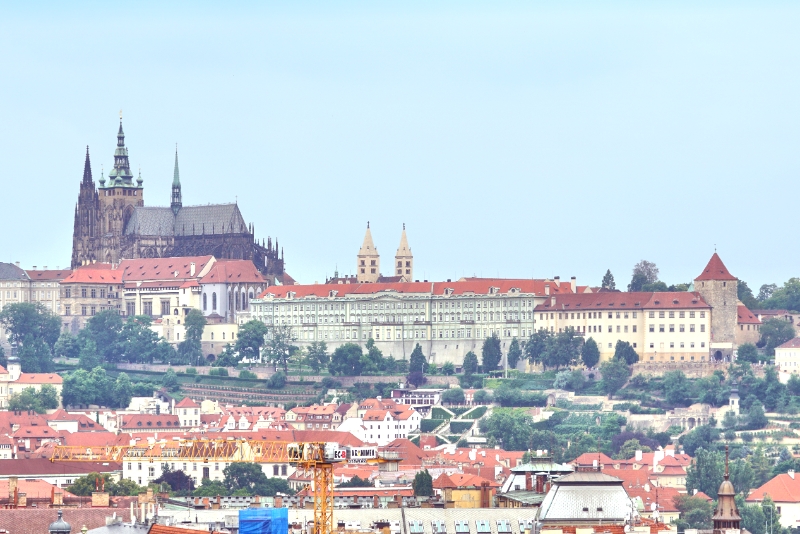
x,y
403,259
368,261
86,231
176,202
719,288
726,516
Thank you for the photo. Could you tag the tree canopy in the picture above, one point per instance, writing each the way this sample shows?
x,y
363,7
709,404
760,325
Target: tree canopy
x,y
346,360
423,484
775,332
250,339
417,362
608,281
280,346
491,354
615,375
514,354
35,331
245,478
590,353
470,365
40,401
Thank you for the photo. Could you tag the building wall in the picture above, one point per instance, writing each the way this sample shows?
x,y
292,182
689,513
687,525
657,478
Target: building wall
x,y
788,360
143,471
723,298
80,302
747,333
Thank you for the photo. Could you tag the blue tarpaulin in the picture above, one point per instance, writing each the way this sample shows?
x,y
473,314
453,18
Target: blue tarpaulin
x,y
264,521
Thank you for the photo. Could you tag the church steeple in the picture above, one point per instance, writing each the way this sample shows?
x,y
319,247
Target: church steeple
x,y
368,266
404,260
176,203
87,170
726,516
121,173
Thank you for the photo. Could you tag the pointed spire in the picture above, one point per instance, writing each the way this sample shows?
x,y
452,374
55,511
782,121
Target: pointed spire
x,y
715,270
403,249
177,198
368,247
176,175
87,169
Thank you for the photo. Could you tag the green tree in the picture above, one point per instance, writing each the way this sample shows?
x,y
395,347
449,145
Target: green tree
x,y
35,357
448,369
765,293
373,360
705,474
249,479
629,448
250,339
491,353
615,374
26,323
775,332
470,365
730,420
190,349
280,346
512,428
742,476
277,381
226,358
357,482
514,354
210,488
747,353
677,389
655,286
346,360
89,358
562,349
138,343
123,393
482,397
537,344
423,484
317,356
756,419
746,295
179,481
66,346
453,396
590,353
417,362
694,512
785,297
646,271
31,399
625,352
638,282
104,329
170,380
608,281
762,466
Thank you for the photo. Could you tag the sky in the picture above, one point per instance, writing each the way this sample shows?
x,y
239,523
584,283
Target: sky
x,y
514,139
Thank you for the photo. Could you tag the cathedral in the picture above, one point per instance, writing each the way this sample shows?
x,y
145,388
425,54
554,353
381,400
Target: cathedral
x,y
112,223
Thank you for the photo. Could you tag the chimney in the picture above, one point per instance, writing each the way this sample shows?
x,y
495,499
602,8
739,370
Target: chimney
x,y
638,456
553,301
16,263
12,487
34,267
791,473
557,280
191,269
573,283
529,482
540,483
547,289
45,267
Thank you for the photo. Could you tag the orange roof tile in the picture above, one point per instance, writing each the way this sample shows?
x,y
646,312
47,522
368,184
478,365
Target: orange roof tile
x,y
782,488
39,378
91,275
746,316
224,271
715,270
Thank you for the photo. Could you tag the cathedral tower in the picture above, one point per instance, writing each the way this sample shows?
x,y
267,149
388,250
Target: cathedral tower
x,y
403,259
176,203
118,197
720,289
86,232
368,261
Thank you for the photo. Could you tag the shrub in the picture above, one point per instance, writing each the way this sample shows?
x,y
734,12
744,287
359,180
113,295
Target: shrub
x,y
459,427
247,374
218,371
429,425
191,371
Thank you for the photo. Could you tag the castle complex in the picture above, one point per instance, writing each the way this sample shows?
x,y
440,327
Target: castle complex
x,y
112,223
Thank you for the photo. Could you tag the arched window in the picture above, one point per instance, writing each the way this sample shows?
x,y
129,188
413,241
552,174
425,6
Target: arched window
x,y
214,301
205,302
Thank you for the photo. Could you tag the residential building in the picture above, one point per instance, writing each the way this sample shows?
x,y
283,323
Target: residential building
x,y
13,381
748,326
787,356
791,317
784,490
44,287
87,291
460,490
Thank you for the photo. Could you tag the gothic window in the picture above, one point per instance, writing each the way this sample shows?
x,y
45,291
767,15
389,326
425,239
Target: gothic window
x,y
214,301
205,302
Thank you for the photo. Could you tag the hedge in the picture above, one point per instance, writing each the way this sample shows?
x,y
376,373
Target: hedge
x,y
429,425
459,427
475,413
439,413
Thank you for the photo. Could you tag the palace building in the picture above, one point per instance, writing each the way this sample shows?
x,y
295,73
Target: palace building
x,y
112,223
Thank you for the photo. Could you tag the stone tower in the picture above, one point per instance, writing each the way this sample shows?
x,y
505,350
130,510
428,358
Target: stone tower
x,y
176,202
118,197
368,262
726,516
403,259
86,232
720,289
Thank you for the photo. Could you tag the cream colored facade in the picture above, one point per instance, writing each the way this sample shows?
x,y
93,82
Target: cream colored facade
x,y
368,261
787,356
13,381
403,259
672,326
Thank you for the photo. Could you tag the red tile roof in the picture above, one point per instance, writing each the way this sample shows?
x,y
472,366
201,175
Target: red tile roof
x,y
793,343
782,488
37,520
619,301
163,268
39,378
746,316
588,458
92,275
51,275
186,402
224,271
38,467
715,270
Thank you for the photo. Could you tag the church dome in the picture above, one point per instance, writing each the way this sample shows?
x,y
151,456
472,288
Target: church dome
x,y
59,526
726,488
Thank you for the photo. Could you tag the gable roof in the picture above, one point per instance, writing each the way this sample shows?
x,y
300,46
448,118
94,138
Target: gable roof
x,y
793,343
232,271
163,268
49,274
186,402
190,220
745,316
715,270
39,378
782,488
92,275
9,271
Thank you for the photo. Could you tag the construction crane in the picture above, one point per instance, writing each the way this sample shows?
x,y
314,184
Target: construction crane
x,y
314,458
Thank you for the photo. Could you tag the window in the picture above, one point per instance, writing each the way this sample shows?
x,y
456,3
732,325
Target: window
x,y
691,315
672,315
93,310
66,310
682,314
68,293
205,302
661,328
652,327
83,310
147,307
702,328
83,292
661,315
214,301
164,307
682,328
691,328
131,308
94,293
652,315
102,293
634,329
702,315
672,328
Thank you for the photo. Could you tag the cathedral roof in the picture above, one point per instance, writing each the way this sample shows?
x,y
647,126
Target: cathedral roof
x,y
190,220
715,270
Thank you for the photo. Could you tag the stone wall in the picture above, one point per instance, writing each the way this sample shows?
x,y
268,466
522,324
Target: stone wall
x,y
722,296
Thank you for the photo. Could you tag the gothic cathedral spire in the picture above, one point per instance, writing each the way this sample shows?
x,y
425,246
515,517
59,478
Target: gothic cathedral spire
x,y
87,170
176,203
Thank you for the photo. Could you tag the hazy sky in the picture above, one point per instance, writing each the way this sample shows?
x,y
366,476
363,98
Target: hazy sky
x,y
513,139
